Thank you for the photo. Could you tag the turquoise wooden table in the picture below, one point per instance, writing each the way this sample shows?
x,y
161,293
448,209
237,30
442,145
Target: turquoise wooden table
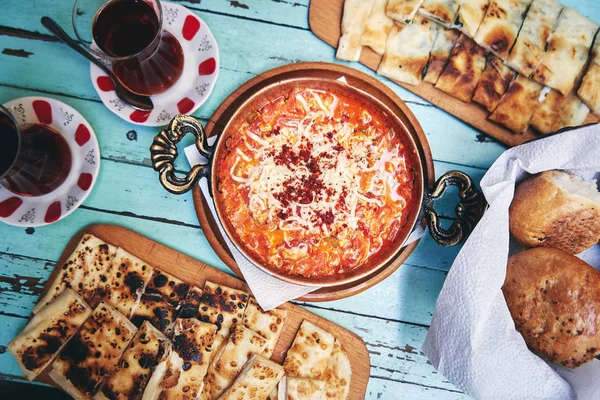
x,y
253,36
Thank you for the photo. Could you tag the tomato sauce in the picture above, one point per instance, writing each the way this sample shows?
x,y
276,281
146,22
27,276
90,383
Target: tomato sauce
x,y
315,183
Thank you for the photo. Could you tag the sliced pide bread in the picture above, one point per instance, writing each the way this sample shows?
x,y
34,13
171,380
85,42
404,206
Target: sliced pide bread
x,y
240,346
88,266
304,389
268,324
182,377
556,209
309,355
338,374
90,356
48,331
128,381
256,381
553,298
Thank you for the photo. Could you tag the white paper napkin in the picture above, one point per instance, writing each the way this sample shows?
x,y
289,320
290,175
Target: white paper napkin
x,y
270,292
472,340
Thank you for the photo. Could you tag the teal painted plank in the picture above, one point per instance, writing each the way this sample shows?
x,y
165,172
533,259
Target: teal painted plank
x,y
48,242
292,13
408,295
383,389
281,12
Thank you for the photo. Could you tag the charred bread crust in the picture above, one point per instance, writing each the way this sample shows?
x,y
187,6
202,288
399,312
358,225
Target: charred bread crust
x,y
554,300
545,214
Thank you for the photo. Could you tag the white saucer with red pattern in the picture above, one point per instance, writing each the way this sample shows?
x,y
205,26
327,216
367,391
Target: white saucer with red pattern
x,y
31,211
192,89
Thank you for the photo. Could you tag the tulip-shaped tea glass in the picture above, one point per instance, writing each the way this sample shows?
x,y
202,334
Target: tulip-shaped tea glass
x,y
129,35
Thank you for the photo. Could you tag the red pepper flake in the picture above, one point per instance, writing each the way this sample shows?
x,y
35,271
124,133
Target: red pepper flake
x,y
286,156
274,132
326,217
313,166
341,203
283,214
302,192
338,147
304,154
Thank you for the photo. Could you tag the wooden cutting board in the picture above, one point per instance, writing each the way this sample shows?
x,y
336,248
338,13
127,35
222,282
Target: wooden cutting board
x,y
325,19
196,273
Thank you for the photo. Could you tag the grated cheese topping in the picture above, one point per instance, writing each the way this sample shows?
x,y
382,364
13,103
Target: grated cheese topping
x,y
314,173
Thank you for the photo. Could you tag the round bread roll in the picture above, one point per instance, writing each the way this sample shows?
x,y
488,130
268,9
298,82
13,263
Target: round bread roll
x,y
554,299
556,209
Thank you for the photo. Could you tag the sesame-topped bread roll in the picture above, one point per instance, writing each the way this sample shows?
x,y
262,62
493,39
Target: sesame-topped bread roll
x,y
553,297
556,209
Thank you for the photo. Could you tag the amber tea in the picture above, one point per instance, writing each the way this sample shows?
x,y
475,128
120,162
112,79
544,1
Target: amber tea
x,y
147,59
34,159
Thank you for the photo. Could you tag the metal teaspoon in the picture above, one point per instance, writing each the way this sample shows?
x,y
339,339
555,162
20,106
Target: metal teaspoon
x,y
137,101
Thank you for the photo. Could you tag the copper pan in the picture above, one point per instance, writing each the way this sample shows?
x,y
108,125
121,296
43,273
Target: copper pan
x,y
399,117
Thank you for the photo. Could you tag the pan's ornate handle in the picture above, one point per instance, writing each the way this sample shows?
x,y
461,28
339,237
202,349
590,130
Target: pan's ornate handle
x,y
468,211
163,153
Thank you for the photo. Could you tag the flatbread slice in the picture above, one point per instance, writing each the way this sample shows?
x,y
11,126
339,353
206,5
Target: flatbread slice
x,y
378,27
518,105
158,311
172,289
160,302
129,379
567,52
268,324
441,11
189,307
224,307
440,53
354,22
470,16
240,346
83,270
309,355
256,380
128,277
493,84
280,391
338,374
557,112
91,355
274,394
152,390
304,389
182,378
500,27
573,112
589,91
537,27
463,71
402,11
47,332
407,51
